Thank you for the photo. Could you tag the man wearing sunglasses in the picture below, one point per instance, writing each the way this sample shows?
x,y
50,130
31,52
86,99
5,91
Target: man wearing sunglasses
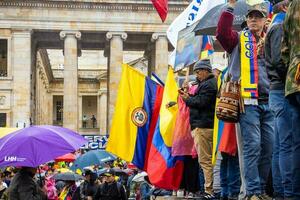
x,y
110,189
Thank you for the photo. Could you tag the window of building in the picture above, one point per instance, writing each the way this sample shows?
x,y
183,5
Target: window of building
x,y
2,119
3,57
59,111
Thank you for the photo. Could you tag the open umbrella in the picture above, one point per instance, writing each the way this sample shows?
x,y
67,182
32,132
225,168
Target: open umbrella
x,y
68,176
207,25
93,157
36,145
122,171
139,177
69,157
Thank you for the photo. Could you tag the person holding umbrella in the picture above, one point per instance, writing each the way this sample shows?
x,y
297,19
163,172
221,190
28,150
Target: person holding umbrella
x,y
24,187
247,65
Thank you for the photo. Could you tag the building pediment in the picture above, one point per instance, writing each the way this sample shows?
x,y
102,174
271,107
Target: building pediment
x,y
136,5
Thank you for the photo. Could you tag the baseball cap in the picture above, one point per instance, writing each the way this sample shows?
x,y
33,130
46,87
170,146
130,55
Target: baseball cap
x,y
260,8
110,172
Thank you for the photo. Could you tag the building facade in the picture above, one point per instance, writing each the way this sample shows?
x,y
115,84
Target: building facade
x,y
60,60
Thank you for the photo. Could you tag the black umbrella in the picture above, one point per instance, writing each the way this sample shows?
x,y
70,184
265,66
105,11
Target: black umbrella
x,y
68,176
207,25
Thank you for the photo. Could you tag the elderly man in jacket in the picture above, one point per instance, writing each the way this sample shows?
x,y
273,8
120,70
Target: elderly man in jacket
x,y
202,108
247,64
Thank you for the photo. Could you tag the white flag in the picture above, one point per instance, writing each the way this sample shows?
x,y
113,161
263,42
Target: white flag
x,y
195,11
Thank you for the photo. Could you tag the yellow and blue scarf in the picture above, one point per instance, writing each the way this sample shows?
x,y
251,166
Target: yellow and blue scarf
x,y
249,66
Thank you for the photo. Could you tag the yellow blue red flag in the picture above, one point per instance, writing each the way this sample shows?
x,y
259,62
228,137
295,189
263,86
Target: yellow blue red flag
x,y
136,106
165,170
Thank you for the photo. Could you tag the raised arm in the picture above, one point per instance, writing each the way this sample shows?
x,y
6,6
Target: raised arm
x,y
225,34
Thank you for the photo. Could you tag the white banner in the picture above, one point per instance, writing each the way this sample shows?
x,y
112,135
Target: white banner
x,y
194,12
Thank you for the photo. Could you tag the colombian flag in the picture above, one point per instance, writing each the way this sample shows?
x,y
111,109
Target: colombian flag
x,y
138,102
164,170
206,48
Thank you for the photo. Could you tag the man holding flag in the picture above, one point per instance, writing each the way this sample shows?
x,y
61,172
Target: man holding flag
x,y
202,108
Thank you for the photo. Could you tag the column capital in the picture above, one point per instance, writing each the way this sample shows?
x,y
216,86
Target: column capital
x,y
156,36
102,91
111,34
64,34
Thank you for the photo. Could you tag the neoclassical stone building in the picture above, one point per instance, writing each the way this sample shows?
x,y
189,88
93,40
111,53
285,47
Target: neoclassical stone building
x,y
60,60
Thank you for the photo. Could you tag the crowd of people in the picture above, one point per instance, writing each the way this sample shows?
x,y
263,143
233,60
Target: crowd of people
x,y
264,65
54,181
264,61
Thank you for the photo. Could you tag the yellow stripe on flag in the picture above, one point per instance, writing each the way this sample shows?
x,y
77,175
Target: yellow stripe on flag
x,y
216,129
167,116
6,131
123,132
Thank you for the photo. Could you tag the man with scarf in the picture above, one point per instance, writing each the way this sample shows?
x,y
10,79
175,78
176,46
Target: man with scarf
x,y
247,64
282,150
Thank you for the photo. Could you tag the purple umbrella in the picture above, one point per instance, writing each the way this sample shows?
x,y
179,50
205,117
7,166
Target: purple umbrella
x,y
36,145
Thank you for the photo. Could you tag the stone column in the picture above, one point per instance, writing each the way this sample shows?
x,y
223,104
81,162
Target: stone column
x,y
80,111
21,70
161,54
102,111
70,108
50,106
114,68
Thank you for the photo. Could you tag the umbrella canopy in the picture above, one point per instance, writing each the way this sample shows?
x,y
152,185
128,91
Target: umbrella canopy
x,y
63,170
69,157
208,24
139,177
68,176
36,145
93,157
122,171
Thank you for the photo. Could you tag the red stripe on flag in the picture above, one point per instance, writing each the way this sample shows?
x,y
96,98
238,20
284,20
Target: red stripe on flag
x,y
160,174
155,114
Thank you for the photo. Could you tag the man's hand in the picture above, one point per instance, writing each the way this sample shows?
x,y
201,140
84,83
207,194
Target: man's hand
x,y
232,3
184,95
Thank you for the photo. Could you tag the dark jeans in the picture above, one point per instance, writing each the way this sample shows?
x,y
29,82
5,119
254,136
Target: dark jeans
x,y
282,149
201,180
230,176
257,137
295,114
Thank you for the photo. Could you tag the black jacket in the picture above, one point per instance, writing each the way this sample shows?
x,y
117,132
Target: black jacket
x,y
202,103
276,69
23,187
110,191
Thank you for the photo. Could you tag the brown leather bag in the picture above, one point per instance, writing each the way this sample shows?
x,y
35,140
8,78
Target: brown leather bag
x,y
230,104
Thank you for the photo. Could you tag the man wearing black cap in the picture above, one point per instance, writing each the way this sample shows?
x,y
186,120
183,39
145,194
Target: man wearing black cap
x,y
88,187
111,189
202,108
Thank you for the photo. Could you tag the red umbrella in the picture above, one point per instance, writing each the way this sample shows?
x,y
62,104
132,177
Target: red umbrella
x,y
69,157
